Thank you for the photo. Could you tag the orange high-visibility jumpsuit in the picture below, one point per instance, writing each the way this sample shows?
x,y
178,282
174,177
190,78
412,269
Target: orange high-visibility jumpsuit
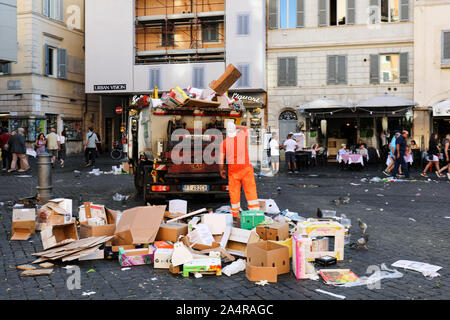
x,y
240,172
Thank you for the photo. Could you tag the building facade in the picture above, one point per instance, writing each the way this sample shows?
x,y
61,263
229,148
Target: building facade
x,y
134,46
44,87
431,66
344,50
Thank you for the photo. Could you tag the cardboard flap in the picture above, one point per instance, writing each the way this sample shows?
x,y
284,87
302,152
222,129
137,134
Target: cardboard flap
x,y
21,234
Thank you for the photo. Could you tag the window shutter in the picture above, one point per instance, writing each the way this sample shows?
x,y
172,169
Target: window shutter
x,y
45,7
341,69
446,46
292,71
47,62
374,69
242,24
5,68
62,63
154,79
198,77
273,14
282,72
331,66
375,11
404,67
300,13
404,10
244,80
323,13
351,12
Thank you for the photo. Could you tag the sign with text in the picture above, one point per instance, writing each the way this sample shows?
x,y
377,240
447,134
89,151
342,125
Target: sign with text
x,y
109,87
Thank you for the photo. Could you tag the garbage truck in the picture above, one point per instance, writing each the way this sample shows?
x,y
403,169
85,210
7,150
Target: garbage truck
x,y
166,148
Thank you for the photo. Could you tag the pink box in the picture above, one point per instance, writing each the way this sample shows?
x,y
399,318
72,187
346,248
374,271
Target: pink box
x,y
135,257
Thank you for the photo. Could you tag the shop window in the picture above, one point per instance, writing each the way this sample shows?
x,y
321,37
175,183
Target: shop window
x,y
33,127
73,130
52,122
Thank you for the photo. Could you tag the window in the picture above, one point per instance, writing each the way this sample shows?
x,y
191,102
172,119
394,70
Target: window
x,y
5,68
53,9
337,70
389,68
389,10
243,24
73,130
154,78
210,32
55,62
446,46
244,80
288,17
336,12
286,14
33,127
287,71
14,84
168,36
198,77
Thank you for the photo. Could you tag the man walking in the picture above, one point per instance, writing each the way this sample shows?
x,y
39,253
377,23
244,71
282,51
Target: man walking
x,y
6,154
18,150
240,171
400,155
53,145
289,146
90,147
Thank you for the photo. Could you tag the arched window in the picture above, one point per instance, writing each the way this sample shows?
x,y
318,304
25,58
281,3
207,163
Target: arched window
x,y
288,115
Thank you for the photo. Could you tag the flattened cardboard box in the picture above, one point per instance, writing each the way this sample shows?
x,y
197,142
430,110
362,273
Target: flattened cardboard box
x,y
139,225
55,234
87,231
269,254
171,231
276,231
23,223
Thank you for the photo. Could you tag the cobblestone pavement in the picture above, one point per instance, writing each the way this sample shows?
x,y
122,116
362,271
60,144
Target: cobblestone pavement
x,y
406,221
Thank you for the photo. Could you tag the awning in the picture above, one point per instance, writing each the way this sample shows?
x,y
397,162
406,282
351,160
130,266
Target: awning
x,y
442,109
325,103
386,101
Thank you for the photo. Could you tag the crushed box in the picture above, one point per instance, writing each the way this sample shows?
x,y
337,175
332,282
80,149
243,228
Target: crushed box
x,y
276,231
57,234
238,241
87,231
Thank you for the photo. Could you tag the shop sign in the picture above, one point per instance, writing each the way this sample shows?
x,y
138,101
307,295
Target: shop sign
x,y
109,87
248,98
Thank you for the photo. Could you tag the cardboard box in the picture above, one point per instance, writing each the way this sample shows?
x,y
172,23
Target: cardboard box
x,y
238,241
87,231
203,265
171,231
276,231
254,273
163,258
90,210
54,213
139,225
226,81
315,228
269,254
287,243
217,223
320,244
268,206
174,270
56,234
135,257
301,245
23,223
250,219
163,244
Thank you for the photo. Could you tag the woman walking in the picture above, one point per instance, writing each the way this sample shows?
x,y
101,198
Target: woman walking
x,y
432,156
62,150
40,144
446,153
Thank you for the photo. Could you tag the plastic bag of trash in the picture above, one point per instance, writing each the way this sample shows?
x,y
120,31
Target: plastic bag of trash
x,y
235,267
120,197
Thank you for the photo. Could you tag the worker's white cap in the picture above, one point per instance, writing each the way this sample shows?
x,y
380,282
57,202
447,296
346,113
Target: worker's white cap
x,y
231,130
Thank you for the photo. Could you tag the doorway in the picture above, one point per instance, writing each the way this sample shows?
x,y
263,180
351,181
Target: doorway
x,y
287,122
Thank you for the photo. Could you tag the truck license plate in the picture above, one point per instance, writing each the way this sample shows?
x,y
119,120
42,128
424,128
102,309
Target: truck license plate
x,y
195,188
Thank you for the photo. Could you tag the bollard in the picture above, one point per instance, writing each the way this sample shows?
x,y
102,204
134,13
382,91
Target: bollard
x,y
44,188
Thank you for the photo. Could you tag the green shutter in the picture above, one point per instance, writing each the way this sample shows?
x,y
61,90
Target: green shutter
x,y
292,71
331,70
46,61
323,13
374,69
445,46
351,12
273,14
62,63
341,69
300,13
404,67
282,72
404,10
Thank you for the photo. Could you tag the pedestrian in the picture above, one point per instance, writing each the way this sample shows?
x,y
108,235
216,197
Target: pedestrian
x,y
432,156
400,156
53,145
90,147
39,144
18,150
275,153
62,148
390,163
446,155
5,147
289,146
240,171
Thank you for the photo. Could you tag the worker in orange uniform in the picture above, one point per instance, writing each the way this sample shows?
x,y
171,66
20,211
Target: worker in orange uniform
x,y
240,171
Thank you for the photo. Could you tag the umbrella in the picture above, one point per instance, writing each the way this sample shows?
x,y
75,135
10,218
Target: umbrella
x,y
386,100
442,108
324,103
